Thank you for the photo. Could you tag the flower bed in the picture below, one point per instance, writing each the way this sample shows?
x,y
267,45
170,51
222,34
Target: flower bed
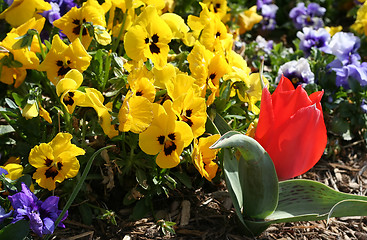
x,y
108,105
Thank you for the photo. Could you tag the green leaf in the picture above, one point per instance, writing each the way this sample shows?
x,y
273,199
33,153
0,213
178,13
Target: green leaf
x,y
306,200
15,231
184,178
141,177
11,104
256,173
230,166
221,124
140,209
4,129
302,199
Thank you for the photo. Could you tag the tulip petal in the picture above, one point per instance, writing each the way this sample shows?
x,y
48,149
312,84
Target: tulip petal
x,y
302,140
266,117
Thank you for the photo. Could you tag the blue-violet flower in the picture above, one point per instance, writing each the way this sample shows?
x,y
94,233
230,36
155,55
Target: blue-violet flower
x,y
299,72
311,38
41,215
307,17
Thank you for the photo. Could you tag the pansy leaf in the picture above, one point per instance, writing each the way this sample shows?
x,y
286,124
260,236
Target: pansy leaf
x,y
256,173
15,231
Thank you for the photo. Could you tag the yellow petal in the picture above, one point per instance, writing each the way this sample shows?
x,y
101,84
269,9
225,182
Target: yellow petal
x,y
30,111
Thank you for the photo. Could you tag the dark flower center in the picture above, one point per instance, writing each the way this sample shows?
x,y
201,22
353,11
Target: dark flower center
x,y
153,46
51,172
212,76
169,147
63,68
76,30
161,140
48,162
68,99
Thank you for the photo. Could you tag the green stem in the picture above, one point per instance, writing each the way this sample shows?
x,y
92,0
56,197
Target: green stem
x,y
78,187
109,57
41,47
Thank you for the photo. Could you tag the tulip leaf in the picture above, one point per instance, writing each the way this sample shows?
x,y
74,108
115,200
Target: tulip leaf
x,y
256,174
302,200
306,200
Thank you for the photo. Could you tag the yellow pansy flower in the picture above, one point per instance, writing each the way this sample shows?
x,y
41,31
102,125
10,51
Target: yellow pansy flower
x,y
248,19
207,69
13,70
143,87
20,11
165,136
148,38
333,30
219,7
15,170
67,87
55,161
213,33
197,24
191,109
164,75
360,25
180,85
62,58
30,110
203,156
94,98
136,114
34,109
251,94
71,23
179,28
199,59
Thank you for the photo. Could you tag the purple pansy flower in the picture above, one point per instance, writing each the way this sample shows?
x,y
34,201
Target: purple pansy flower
x,y
311,38
2,170
4,215
299,72
9,2
307,17
364,105
268,12
59,8
347,63
260,3
344,46
41,215
354,69
264,45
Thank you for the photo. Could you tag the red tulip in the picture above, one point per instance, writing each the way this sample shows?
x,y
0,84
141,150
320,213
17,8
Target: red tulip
x,y
291,128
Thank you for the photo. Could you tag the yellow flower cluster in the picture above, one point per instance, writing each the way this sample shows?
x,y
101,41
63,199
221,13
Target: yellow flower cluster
x,y
166,125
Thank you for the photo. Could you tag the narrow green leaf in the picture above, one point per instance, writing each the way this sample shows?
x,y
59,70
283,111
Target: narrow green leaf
x,y
78,186
221,124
